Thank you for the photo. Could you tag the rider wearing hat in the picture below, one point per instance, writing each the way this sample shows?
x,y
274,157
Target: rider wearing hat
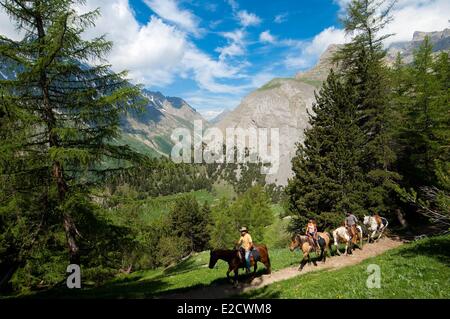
x,y
246,243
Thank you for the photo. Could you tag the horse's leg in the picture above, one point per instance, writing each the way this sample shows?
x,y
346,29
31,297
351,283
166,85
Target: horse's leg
x,y
267,265
336,243
228,273
373,235
236,272
381,233
302,264
323,254
337,248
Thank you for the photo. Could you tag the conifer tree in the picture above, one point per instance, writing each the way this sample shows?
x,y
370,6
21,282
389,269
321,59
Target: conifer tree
x,y
362,64
327,177
187,219
59,117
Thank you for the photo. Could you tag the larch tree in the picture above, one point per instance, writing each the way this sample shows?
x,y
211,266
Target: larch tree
x,y
60,114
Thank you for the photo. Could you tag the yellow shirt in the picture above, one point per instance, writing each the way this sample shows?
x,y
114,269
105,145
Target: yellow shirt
x,y
246,241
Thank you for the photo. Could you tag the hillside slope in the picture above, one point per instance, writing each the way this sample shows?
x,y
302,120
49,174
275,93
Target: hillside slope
x,y
153,126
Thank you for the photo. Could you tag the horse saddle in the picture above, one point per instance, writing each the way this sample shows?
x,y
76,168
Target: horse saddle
x,y
253,253
320,241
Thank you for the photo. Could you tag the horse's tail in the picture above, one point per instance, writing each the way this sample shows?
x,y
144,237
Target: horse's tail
x,y
267,263
385,222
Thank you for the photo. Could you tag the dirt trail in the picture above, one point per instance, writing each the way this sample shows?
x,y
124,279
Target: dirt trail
x,y
333,263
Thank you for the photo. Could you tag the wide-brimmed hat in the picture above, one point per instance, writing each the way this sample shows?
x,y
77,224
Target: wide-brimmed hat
x,y
243,229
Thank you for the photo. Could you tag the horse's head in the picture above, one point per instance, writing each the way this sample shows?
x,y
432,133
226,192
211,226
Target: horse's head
x,y
366,220
295,242
212,259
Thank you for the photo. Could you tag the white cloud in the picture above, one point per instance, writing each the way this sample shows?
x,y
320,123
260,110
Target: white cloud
x,y
156,52
247,19
280,18
236,44
210,105
417,15
267,37
169,10
206,71
152,54
413,15
306,53
233,4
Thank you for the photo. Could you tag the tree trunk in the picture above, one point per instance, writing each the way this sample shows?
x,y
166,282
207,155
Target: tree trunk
x,y
57,169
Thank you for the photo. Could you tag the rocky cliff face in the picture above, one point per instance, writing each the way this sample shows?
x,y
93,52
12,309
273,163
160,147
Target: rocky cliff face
x,y
439,39
283,103
317,74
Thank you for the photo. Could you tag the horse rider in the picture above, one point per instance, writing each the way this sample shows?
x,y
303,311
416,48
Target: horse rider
x,y
246,244
350,223
311,232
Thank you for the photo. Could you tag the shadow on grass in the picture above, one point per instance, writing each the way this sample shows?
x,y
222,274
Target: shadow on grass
x,y
434,247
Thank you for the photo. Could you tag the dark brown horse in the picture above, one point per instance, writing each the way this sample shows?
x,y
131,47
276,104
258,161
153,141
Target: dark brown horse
x,y
231,256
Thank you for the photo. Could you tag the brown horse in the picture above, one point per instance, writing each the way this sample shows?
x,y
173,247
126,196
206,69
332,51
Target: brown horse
x,y
302,241
231,256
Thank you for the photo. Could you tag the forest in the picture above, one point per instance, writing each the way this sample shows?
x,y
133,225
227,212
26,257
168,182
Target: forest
x,y
378,142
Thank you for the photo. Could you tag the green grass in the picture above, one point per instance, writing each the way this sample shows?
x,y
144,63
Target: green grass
x,y
416,270
315,83
223,189
164,144
152,208
276,83
189,274
137,145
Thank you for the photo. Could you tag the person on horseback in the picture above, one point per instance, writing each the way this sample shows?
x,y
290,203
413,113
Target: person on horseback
x,y
246,244
311,232
350,223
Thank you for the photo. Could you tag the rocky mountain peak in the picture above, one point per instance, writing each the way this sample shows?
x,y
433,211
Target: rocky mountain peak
x,y
434,36
320,71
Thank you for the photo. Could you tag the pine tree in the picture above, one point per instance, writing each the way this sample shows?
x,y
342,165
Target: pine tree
x,y
187,219
327,177
59,117
362,64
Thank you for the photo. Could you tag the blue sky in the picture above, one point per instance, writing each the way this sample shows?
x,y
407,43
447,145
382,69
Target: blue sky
x,y
214,52
252,35
256,40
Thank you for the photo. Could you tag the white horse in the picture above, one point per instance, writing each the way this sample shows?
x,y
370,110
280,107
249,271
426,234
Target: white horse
x,y
341,235
375,227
